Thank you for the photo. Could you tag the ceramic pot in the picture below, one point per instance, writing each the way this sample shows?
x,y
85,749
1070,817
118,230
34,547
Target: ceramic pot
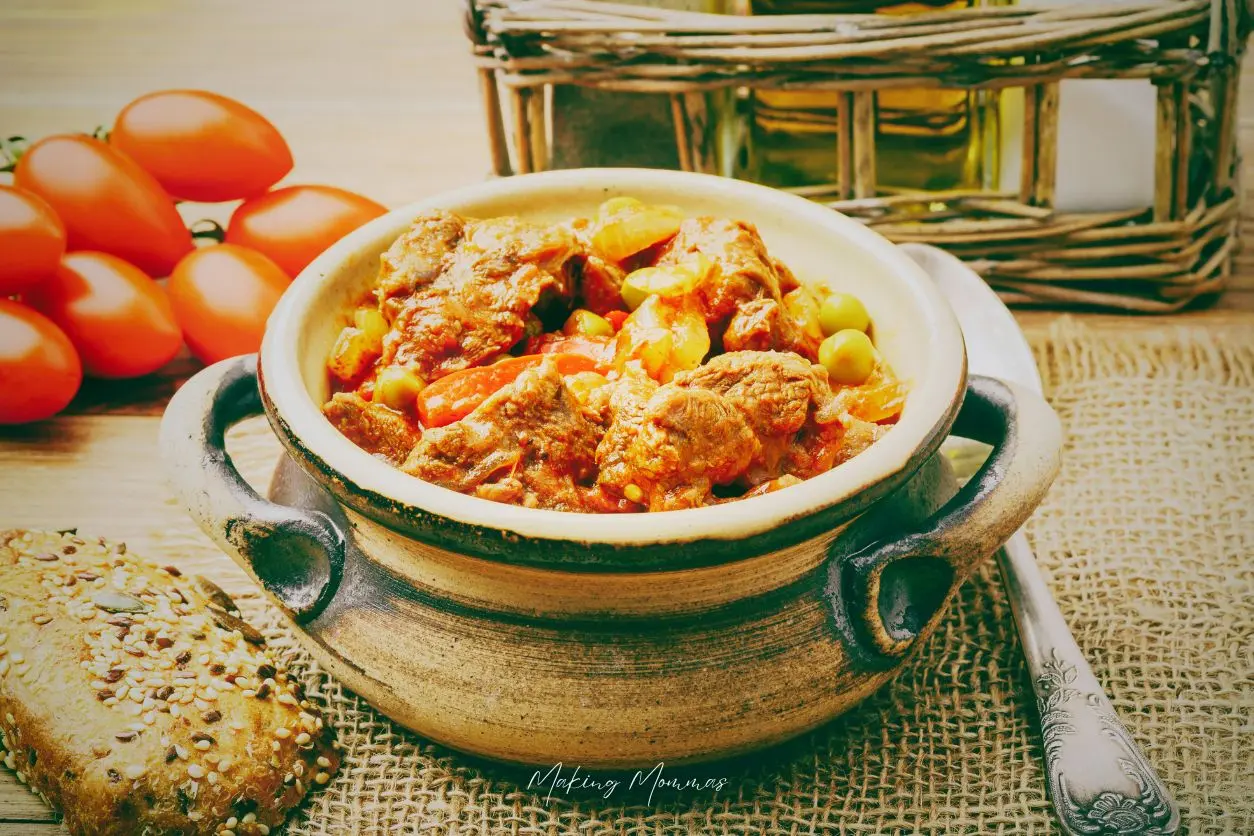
x,y
615,641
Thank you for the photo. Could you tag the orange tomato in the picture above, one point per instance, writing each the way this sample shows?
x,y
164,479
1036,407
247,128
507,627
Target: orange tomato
x,y
293,225
39,371
32,240
202,146
108,203
222,296
120,320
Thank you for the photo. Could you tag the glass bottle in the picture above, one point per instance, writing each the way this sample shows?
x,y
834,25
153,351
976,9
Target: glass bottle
x,y
925,138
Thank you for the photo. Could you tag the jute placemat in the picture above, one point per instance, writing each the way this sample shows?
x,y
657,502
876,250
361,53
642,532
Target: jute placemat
x,y
1147,540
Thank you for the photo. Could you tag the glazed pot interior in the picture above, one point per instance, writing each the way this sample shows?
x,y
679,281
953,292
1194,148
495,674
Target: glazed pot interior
x,y
913,328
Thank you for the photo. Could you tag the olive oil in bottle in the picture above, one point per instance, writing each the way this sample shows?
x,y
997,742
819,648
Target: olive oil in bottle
x,y
925,138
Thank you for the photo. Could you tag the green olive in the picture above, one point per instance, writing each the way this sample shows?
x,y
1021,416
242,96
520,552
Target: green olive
x,y
848,357
841,311
585,323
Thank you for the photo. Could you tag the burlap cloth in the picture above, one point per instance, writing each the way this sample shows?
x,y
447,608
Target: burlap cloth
x,y
1146,539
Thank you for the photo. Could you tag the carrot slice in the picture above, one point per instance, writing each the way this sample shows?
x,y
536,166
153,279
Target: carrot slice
x,y
597,349
455,396
616,318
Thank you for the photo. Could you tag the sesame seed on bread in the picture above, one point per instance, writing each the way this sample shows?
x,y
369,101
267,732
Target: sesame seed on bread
x,y
136,700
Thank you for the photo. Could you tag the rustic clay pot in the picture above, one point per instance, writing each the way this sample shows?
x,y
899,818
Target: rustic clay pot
x,y
615,641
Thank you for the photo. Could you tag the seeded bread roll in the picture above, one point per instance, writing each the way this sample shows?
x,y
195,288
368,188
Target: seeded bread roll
x,y
136,701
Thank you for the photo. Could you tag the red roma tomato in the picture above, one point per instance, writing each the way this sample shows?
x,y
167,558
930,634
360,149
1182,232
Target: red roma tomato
x,y
39,371
119,319
222,296
295,224
32,240
202,146
107,201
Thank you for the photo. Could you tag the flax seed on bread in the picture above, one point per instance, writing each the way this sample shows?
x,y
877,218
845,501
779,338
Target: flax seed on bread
x,y
137,701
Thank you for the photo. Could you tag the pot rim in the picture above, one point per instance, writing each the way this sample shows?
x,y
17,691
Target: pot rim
x,y
388,493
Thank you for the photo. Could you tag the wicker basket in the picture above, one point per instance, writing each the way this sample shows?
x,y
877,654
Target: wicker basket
x,y
1157,259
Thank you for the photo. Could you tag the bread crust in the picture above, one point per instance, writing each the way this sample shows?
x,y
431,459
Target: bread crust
x,y
136,702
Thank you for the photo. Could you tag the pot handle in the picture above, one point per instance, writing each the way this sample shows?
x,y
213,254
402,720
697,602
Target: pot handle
x,y
295,554
893,591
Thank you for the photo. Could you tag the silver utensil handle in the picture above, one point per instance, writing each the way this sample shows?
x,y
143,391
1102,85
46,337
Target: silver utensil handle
x,y
1099,780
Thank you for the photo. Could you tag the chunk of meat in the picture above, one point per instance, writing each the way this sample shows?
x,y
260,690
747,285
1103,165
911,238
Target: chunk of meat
x,y
783,398
743,291
375,428
673,451
619,407
418,257
776,391
818,448
601,285
458,291
741,270
529,444
764,325
787,280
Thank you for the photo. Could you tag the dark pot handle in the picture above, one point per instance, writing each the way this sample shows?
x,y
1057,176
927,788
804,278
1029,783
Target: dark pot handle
x,y
296,555
894,590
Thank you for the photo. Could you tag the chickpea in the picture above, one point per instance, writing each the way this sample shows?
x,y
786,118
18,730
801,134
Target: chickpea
x,y
397,387
848,357
842,311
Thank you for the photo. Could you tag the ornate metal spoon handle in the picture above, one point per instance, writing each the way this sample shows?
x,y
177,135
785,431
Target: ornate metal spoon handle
x,y
1099,779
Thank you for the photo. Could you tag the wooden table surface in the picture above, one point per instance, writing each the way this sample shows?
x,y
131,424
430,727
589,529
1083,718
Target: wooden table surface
x,y
378,97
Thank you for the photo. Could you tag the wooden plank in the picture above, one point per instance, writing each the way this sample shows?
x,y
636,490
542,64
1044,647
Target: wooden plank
x,y
102,475
19,804
146,395
31,829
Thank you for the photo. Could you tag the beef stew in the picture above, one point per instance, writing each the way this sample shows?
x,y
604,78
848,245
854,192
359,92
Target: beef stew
x,y
637,360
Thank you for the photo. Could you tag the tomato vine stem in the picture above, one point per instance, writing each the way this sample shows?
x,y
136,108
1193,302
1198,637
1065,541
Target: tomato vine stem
x,y
11,150
208,229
